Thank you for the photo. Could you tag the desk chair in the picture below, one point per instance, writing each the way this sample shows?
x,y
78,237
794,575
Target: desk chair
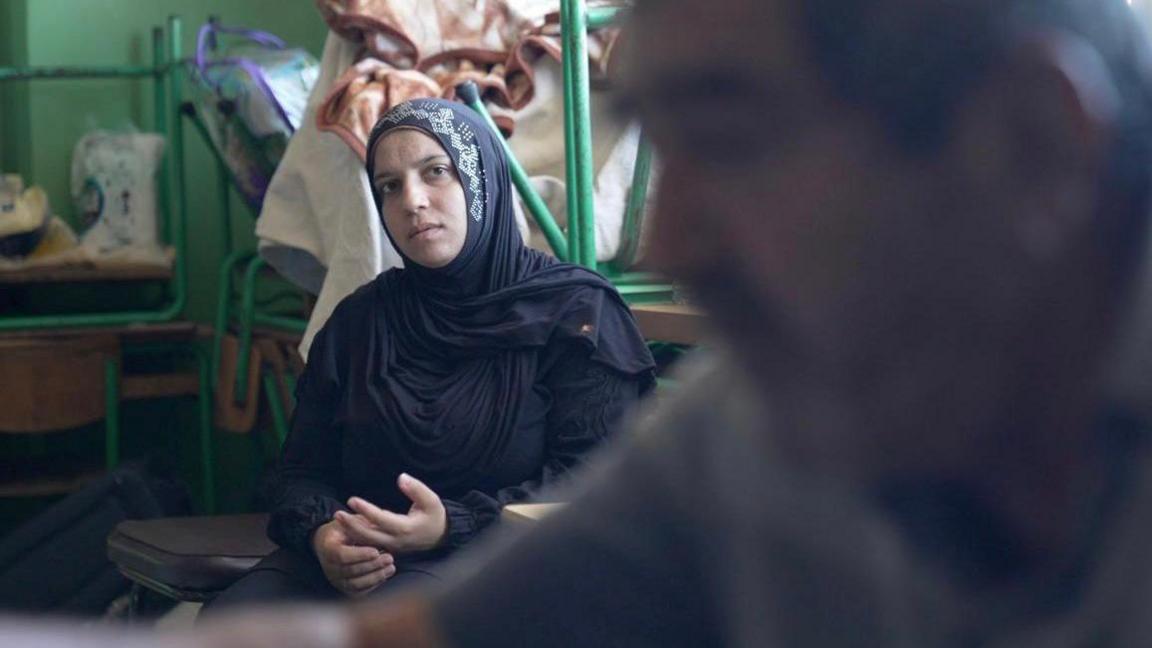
x,y
188,559
193,559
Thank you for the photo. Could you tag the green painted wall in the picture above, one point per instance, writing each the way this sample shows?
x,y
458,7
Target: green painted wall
x,y
118,32
14,146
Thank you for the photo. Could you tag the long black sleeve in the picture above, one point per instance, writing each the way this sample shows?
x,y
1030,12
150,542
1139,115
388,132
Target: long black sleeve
x,y
589,401
303,490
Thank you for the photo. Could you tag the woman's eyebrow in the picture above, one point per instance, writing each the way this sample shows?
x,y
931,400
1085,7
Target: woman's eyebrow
x,y
387,173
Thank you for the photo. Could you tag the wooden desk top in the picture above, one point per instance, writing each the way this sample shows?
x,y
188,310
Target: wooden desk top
x,y
73,267
80,273
677,323
521,513
157,332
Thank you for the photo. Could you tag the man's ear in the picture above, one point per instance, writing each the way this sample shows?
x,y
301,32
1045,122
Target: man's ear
x,y
1034,139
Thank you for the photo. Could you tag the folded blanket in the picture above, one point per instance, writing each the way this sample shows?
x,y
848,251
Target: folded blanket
x,y
421,49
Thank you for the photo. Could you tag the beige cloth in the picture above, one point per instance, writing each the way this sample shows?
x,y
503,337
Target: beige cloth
x,y
318,226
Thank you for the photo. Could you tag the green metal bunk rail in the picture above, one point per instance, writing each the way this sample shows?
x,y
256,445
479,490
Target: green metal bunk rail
x,y
579,244
633,213
599,17
165,73
249,316
72,73
575,21
578,133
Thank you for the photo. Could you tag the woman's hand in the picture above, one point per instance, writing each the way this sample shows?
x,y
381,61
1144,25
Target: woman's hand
x,y
422,528
351,568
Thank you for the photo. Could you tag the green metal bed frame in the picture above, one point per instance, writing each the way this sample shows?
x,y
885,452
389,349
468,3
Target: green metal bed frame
x,y
165,73
250,265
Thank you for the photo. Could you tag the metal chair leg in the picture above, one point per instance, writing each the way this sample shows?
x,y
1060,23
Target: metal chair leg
x,y
207,459
111,414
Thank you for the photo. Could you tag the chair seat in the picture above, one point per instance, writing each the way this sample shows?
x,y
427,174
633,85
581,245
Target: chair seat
x,y
189,558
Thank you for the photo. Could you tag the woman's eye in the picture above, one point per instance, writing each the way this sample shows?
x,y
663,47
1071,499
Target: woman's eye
x,y
386,188
438,170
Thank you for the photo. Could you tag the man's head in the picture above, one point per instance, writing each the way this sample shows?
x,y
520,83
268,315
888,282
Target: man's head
x,y
904,211
914,64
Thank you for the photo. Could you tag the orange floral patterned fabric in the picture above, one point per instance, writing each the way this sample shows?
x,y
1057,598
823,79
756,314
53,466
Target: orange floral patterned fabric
x,y
417,48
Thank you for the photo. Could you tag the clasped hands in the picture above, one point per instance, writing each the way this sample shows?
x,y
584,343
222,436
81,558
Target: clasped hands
x,y
357,550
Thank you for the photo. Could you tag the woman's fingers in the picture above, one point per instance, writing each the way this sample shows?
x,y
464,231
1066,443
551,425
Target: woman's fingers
x,y
356,570
368,582
422,497
352,554
386,521
361,532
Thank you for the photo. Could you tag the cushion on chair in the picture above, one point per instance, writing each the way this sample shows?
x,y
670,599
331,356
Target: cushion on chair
x,y
189,558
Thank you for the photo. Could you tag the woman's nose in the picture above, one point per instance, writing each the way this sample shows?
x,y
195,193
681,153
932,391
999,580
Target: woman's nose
x,y
415,197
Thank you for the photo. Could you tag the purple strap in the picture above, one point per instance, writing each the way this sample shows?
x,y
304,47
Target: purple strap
x,y
206,39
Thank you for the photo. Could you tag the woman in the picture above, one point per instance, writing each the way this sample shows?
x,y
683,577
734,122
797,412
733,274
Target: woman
x,y
480,373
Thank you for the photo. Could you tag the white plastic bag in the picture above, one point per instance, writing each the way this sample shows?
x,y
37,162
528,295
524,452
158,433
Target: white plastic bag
x,y
114,187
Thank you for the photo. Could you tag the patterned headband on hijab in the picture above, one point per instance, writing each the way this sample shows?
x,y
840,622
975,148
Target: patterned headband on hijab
x,y
441,121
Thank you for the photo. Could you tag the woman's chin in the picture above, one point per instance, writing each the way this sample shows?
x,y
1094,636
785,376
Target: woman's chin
x,y
432,258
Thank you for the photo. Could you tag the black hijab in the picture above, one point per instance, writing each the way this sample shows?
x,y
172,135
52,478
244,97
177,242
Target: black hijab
x,y
450,354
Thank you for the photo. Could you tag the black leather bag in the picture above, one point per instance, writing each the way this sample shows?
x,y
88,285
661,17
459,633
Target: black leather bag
x,y
56,562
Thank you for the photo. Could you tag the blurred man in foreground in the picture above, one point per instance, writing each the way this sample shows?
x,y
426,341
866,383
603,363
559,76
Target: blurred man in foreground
x,y
917,224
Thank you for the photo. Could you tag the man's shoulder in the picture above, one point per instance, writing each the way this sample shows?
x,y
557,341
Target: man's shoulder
x,y
707,398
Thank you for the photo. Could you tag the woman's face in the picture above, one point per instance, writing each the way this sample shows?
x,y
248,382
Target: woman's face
x,y
421,199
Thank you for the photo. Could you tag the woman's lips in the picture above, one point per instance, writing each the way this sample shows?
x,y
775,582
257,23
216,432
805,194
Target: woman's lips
x,y
426,232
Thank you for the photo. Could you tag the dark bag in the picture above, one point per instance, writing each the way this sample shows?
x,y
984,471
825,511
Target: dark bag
x,y
56,562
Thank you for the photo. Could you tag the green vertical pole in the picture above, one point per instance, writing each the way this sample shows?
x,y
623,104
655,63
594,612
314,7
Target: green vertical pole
x,y
290,379
572,202
160,116
111,414
223,307
633,213
575,25
247,314
180,227
279,421
204,403
225,190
